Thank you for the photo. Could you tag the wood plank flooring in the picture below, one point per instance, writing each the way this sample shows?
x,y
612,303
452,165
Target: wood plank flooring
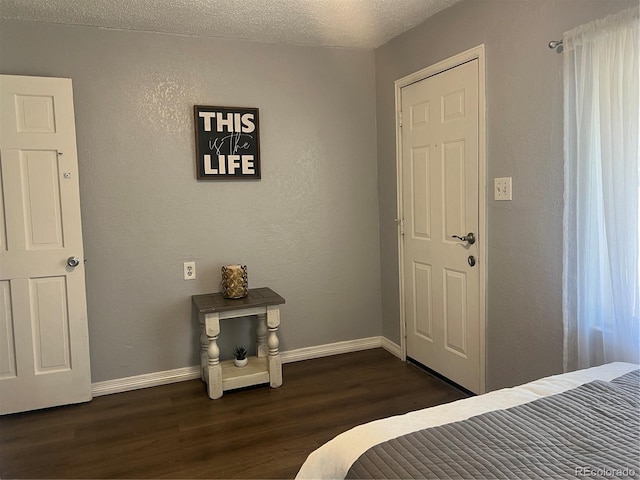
x,y
176,431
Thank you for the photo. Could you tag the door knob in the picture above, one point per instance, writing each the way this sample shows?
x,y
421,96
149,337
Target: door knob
x,y
73,261
469,237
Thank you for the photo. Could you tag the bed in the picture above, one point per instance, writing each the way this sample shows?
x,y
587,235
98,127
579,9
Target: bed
x,y
579,424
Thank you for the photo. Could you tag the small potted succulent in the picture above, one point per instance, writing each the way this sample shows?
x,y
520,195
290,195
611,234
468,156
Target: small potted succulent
x,y
240,356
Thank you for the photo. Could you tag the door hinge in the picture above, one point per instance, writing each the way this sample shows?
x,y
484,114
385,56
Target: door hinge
x,y
400,117
400,222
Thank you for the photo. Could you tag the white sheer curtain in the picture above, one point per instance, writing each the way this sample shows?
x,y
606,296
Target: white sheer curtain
x,y
601,297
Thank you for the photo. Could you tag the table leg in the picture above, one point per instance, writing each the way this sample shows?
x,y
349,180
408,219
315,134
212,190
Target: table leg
x,y
261,334
204,358
214,369
274,360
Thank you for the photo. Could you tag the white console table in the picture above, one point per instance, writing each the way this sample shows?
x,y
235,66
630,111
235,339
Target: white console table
x,y
266,366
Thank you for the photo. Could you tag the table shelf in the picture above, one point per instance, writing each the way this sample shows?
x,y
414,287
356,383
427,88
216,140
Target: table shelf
x,y
255,372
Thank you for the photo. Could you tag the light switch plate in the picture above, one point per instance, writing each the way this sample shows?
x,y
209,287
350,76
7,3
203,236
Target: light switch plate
x,y
502,188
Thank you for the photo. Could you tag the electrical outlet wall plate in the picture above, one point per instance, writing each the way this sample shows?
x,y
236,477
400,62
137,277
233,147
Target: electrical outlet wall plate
x,y
502,188
189,270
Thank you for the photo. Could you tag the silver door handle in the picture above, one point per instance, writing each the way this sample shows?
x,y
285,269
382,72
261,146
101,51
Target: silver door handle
x,y
73,262
470,238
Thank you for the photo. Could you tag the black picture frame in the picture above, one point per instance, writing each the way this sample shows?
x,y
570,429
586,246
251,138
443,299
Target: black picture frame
x,y
227,143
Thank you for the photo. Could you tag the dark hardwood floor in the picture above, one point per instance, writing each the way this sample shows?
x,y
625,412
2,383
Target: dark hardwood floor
x,y
176,431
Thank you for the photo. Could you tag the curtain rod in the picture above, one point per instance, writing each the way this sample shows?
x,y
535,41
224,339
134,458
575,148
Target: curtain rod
x,y
555,43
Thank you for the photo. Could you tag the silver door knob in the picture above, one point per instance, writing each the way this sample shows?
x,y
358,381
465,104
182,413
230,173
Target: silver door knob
x,y
469,238
73,261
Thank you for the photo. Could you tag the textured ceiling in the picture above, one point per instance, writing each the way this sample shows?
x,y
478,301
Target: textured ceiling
x,y
336,23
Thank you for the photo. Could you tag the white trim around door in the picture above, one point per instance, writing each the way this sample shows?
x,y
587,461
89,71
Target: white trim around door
x,y
452,62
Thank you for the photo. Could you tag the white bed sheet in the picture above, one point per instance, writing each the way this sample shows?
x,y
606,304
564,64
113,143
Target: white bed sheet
x,y
333,459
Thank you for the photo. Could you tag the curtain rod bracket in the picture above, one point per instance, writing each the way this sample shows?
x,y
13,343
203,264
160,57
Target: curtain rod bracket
x,y
555,43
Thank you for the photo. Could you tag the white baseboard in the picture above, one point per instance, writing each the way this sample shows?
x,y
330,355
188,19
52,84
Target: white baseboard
x,y
119,385
337,348
392,348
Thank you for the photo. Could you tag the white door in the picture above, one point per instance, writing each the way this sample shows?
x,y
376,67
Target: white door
x,y
44,342
440,200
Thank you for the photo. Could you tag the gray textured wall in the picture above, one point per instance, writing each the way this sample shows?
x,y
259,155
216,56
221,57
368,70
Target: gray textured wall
x,y
308,229
524,141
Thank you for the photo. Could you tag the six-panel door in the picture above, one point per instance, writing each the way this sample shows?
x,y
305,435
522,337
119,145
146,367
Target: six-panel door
x,y
440,200
44,345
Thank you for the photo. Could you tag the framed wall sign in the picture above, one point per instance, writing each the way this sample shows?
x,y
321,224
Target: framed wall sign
x,y
227,143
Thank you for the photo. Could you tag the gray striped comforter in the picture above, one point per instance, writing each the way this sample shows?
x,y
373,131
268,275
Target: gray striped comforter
x,y
592,431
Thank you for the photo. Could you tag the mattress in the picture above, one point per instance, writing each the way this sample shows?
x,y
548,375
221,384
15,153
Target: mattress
x,y
335,458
